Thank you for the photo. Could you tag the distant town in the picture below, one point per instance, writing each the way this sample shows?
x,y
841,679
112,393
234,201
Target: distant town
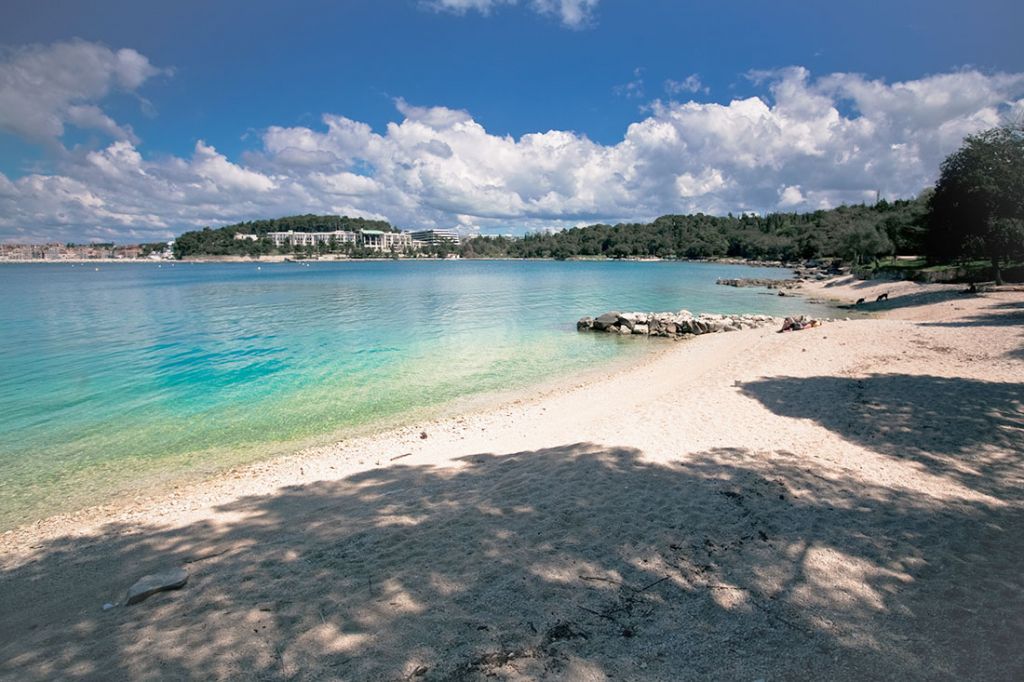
x,y
75,252
340,243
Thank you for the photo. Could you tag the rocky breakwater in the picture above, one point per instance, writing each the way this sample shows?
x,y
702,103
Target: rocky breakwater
x,y
756,282
672,325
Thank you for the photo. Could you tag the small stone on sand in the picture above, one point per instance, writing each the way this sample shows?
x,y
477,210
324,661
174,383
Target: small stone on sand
x,y
149,585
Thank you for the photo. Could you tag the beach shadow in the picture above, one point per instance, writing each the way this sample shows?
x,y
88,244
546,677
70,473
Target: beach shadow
x,y
576,562
906,301
1008,314
965,429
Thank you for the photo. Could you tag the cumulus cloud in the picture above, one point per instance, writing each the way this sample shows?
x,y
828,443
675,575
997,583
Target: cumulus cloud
x,y
572,13
42,88
803,143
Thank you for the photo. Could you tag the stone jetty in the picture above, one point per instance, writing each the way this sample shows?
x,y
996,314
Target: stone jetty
x,y
678,324
756,282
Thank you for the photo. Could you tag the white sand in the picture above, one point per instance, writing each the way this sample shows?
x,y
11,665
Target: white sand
x,y
839,502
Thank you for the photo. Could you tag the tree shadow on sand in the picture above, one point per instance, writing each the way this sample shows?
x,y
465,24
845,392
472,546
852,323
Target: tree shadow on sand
x,y
1009,314
578,562
906,301
966,429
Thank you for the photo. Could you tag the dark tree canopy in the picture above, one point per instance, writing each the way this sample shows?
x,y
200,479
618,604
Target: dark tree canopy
x,y
977,210
857,233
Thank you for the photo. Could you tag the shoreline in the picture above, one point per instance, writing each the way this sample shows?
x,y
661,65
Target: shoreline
x,y
153,488
155,492
837,294
153,475
815,499
291,258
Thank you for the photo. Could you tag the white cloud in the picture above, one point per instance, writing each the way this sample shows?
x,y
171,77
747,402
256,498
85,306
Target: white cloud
x,y
91,116
691,84
572,13
223,174
804,143
690,185
790,196
463,6
44,87
634,89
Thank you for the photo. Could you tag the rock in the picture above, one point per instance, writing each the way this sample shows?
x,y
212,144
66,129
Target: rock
x,y
149,585
604,321
108,606
672,324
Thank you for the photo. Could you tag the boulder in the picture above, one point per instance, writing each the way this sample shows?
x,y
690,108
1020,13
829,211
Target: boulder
x,y
604,321
148,585
672,324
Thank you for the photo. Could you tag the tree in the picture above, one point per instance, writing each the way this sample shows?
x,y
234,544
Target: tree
x,y
977,209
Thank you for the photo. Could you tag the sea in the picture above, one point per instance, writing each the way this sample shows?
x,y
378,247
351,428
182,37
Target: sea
x,y
118,377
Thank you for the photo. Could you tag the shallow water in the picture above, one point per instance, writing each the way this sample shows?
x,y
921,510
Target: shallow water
x,y
110,378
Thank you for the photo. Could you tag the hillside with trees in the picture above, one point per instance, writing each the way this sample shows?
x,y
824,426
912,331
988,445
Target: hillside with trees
x,y
221,241
855,233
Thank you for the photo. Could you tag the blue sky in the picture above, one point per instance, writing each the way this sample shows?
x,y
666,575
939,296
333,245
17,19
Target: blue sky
x,y
246,80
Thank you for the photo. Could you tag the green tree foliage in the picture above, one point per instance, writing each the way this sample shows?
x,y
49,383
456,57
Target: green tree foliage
x,y
222,242
857,233
977,209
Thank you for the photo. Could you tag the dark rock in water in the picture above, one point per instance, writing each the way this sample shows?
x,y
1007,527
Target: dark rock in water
x,y
602,322
149,585
760,282
585,323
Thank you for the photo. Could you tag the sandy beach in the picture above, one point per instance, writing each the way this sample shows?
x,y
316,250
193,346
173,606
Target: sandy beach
x,y
842,502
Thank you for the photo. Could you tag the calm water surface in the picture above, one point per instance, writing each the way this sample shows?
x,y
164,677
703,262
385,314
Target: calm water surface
x,y
116,377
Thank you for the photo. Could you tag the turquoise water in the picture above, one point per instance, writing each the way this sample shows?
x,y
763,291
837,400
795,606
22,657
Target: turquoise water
x,y
112,378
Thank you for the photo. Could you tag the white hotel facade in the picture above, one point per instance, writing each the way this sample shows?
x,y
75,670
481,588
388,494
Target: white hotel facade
x,y
376,240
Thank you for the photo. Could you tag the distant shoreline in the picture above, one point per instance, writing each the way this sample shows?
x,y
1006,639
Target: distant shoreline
x,y
291,259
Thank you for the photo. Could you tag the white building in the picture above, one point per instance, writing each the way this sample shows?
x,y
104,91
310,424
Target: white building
x,y
385,242
436,236
293,238
375,240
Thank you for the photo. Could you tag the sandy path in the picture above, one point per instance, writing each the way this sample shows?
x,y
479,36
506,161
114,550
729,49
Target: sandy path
x,y
840,502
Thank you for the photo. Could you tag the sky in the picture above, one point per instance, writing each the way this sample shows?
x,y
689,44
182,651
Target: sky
x,y
130,121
